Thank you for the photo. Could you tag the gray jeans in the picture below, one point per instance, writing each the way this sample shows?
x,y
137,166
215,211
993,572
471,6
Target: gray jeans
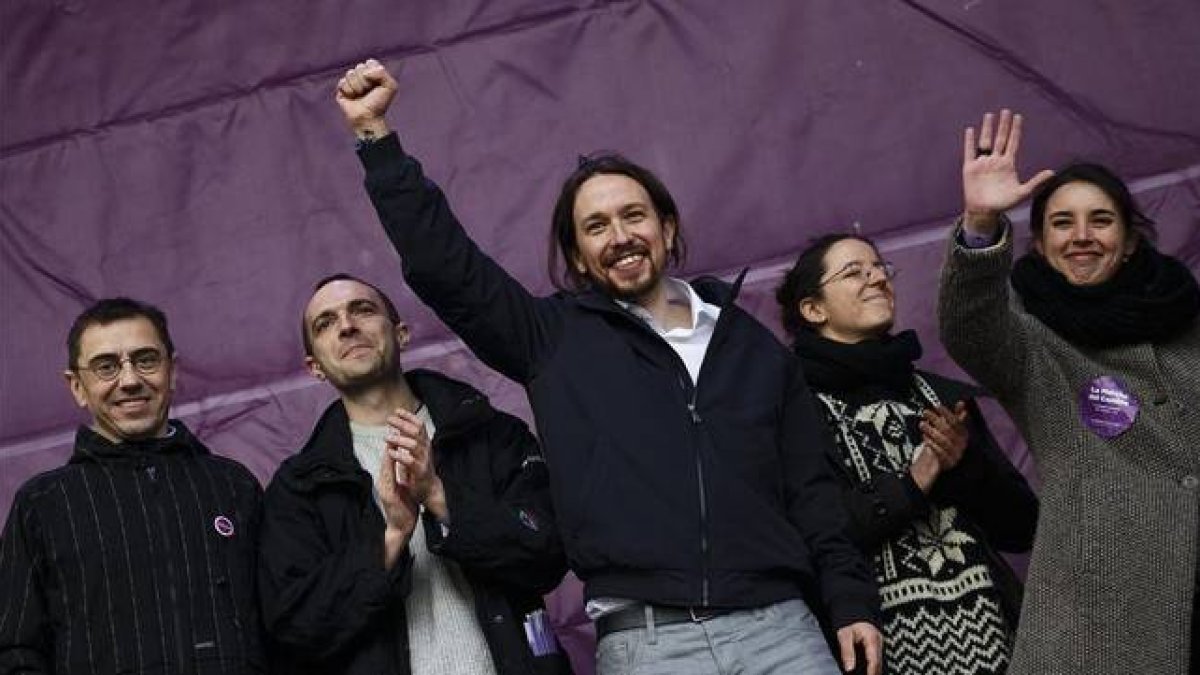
x,y
780,639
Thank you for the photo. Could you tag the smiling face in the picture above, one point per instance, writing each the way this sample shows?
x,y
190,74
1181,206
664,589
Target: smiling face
x,y
621,243
855,301
354,342
1083,235
135,403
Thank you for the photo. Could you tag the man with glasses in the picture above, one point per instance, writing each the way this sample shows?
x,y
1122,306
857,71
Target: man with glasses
x,y
137,556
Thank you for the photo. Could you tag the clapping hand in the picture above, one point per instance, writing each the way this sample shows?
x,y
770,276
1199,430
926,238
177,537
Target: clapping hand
x,y
408,444
944,438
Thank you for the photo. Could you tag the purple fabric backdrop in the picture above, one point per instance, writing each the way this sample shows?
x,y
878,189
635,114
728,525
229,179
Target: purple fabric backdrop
x,y
190,154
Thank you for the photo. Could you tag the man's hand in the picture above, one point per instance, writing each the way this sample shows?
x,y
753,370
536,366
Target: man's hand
x,y
364,95
868,636
989,171
408,444
400,511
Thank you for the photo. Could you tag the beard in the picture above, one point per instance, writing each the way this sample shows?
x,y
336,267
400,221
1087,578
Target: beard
x,y
630,290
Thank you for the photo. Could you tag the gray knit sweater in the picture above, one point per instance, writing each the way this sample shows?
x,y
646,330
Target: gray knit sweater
x,y
1112,577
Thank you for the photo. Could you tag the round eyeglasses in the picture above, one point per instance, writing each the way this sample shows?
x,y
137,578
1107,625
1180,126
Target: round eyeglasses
x,y
107,367
861,273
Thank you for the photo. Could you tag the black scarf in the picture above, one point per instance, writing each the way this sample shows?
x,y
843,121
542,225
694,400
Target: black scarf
x,y
1151,298
868,370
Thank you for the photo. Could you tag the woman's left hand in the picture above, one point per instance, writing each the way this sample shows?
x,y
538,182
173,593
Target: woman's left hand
x,y
944,432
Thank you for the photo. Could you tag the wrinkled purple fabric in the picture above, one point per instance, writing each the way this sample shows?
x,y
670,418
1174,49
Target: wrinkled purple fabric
x,y
190,154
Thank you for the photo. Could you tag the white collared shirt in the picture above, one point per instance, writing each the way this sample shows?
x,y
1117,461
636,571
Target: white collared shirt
x,y
690,343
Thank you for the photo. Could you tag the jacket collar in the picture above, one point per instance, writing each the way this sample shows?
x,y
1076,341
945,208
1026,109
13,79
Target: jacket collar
x,y
329,453
710,289
179,442
455,406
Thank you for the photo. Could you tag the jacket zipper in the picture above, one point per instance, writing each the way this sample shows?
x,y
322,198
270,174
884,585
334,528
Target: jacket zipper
x,y
690,391
700,489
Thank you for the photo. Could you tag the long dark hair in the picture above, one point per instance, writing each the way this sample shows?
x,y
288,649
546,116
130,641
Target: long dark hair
x,y
1108,183
804,280
563,246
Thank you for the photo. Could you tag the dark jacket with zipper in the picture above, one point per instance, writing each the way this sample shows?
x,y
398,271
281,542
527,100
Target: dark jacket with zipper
x,y
984,486
329,604
710,493
136,558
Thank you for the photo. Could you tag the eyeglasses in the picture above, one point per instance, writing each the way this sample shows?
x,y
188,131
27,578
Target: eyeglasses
x,y
862,273
107,367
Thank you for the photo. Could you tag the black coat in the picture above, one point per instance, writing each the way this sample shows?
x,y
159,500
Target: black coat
x,y
328,603
136,558
984,486
669,491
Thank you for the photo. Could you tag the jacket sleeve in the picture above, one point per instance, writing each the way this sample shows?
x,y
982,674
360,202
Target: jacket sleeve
x,y
975,323
25,627
505,531
878,510
317,595
990,490
815,506
493,314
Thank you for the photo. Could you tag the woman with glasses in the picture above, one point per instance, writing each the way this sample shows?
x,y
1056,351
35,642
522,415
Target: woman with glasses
x,y
930,496
1091,343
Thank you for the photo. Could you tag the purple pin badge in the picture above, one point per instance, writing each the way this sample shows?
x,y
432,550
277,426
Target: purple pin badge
x,y
223,525
1107,407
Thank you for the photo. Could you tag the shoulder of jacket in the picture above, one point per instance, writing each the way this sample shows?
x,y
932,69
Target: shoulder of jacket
x,y
233,468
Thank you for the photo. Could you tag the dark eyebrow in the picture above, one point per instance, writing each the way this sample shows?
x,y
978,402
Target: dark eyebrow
x,y
362,302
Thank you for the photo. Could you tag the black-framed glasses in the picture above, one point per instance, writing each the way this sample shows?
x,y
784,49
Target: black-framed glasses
x,y
107,367
862,273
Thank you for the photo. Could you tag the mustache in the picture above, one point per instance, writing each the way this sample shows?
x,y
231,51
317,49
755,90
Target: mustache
x,y
615,254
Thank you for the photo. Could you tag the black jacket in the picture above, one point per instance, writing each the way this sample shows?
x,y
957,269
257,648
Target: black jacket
x,y
133,558
329,605
713,493
984,486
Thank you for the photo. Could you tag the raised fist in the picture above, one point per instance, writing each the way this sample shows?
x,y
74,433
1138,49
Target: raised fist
x,y
364,94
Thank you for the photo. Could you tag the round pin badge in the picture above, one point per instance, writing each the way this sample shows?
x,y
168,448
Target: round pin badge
x,y
223,525
1108,407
